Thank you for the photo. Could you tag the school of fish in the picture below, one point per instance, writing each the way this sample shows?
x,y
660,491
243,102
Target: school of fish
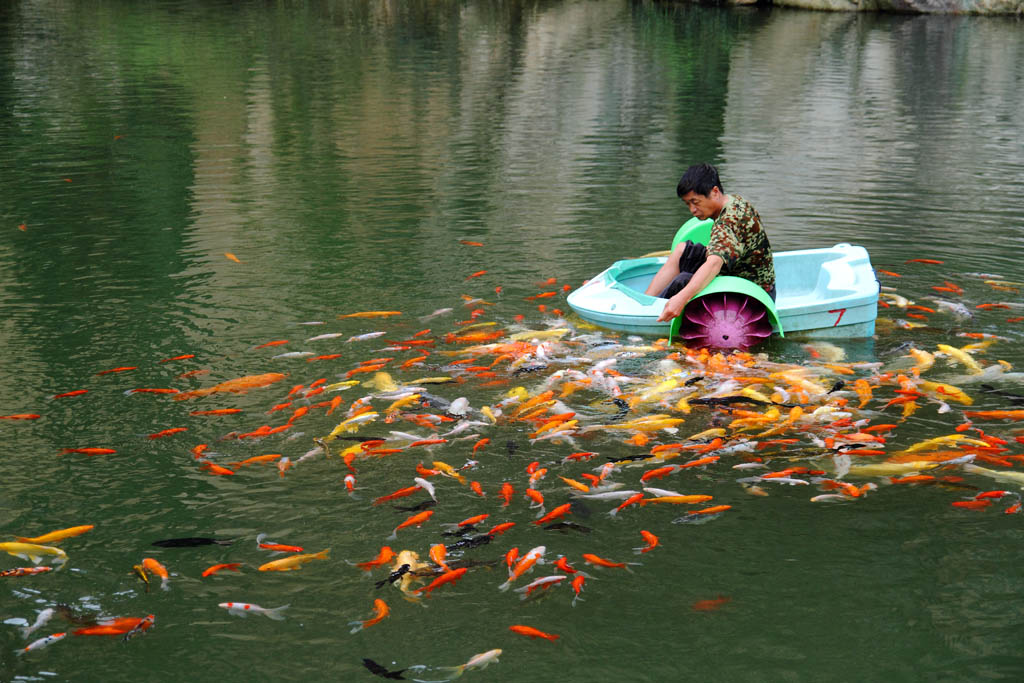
x,y
629,431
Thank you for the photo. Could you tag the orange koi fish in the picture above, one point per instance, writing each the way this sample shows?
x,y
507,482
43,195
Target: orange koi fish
x,y
931,261
437,553
232,566
995,414
66,394
471,244
21,416
87,451
182,357
370,314
150,391
658,473
498,529
652,542
167,432
971,504
416,520
577,587
531,632
713,510
470,521
385,555
124,368
156,568
448,577
506,493
559,511
269,457
381,611
277,547
231,257
711,604
239,385
476,274
217,411
542,295
477,489
632,500
400,493
888,272
213,468
525,564
590,558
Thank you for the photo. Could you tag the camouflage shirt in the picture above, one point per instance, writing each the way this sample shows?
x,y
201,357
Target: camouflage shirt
x,y
739,238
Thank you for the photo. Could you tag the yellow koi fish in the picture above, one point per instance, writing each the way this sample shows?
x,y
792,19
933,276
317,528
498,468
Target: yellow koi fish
x,y
293,562
57,536
449,471
963,357
34,552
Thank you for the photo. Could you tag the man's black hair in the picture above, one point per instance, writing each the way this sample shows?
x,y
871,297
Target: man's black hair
x,y
699,178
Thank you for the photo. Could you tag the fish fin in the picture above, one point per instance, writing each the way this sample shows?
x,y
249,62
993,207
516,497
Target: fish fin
x,y
393,536
575,599
276,613
358,626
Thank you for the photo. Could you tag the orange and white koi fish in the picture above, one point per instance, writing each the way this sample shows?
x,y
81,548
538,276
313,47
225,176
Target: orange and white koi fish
x,y
155,567
58,536
448,577
534,556
632,500
531,632
380,612
244,609
294,562
239,385
416,520
232,566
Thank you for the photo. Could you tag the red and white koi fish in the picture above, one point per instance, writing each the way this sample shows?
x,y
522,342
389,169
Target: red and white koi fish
x,y
534,556
243,609
544,582
41,643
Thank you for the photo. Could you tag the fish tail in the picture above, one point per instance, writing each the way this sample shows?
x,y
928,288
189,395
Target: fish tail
x,y
277,613
164,584
357,626
259,539
613,512
505,586
225,541
393,536
323,554
636,564
575,599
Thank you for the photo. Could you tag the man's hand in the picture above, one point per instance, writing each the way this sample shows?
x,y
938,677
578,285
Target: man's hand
x,y
673,307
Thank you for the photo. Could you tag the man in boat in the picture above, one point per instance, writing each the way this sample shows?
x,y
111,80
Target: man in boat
x,y
738,244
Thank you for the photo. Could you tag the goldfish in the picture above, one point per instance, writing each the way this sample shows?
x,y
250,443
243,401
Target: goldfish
x,y
293,562
217,411
415,520
152,565
216,469
995,414
34,552
243,609
677,500
531,632
380,612
498,529
269,457
58,536
239,385
232,566
506,493
231,257
448,577
21,416
123,368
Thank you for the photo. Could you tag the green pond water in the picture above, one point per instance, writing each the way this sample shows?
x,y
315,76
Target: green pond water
x,y
340,151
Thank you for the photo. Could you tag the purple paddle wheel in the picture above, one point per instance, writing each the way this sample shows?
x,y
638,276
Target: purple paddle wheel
x,y
724,320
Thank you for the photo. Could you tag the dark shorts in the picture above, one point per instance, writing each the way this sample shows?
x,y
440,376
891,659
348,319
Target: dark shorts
x,y
693,257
